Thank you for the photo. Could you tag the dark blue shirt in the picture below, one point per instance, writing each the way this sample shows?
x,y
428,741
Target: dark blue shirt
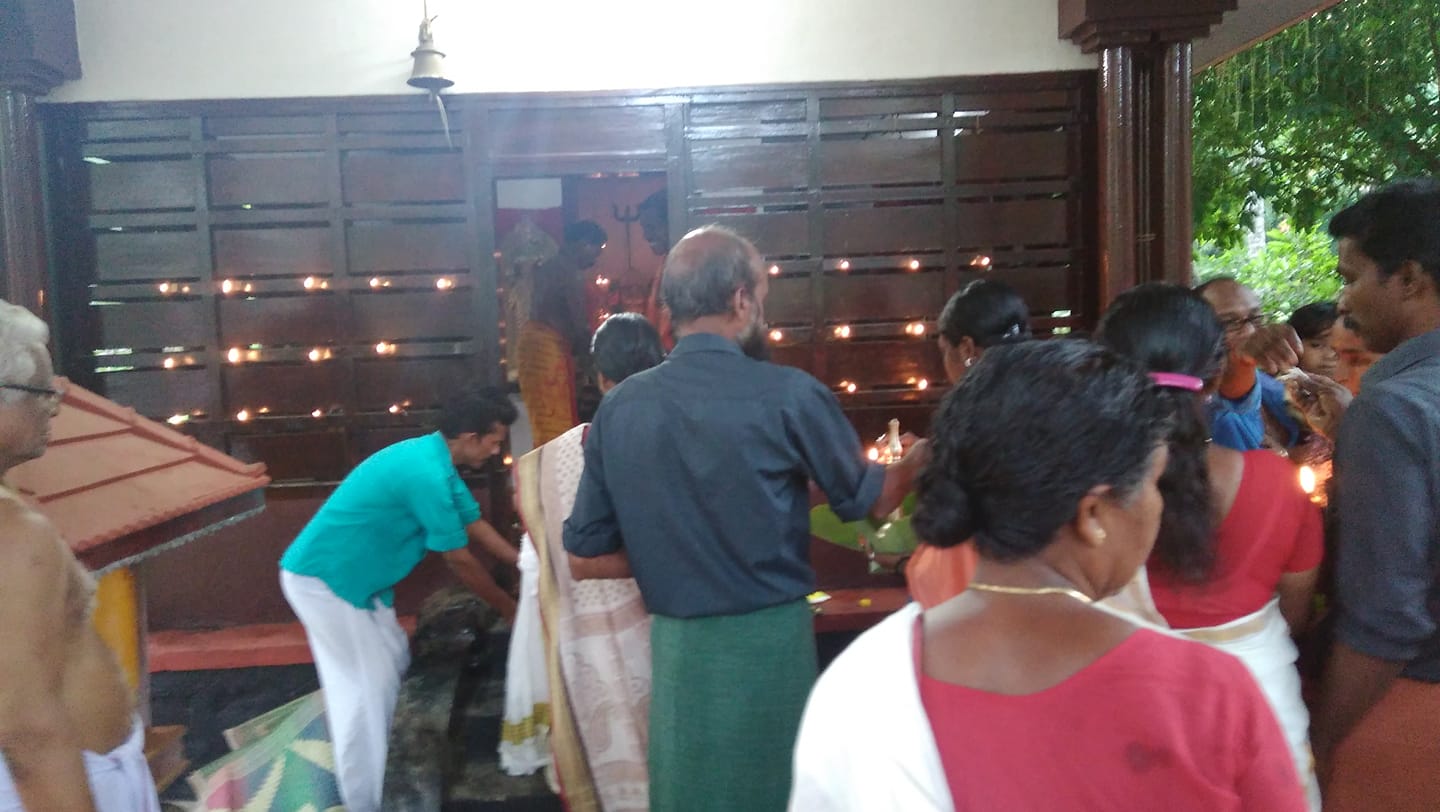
x,y
699,469
1387,499
1239,424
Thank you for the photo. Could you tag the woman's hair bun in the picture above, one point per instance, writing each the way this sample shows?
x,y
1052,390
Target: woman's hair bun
x,y
944,515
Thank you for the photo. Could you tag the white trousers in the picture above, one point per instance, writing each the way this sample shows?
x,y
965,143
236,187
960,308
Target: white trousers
x,y
119,780
360,655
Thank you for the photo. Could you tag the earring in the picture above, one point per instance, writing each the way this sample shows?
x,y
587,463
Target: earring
x,y
1100,535
968,362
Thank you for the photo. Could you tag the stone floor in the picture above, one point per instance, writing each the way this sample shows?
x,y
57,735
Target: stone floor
x,y
482,785
218,699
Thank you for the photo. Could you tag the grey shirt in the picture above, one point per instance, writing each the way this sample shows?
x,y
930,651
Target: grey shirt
x,y
700,469
1387,469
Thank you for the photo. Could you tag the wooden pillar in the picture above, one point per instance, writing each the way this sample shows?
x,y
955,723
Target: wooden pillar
x,y
37,52
1144,109
22,219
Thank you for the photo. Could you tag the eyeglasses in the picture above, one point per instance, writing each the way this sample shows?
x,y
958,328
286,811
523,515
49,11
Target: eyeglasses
x,y
1234,324
45,393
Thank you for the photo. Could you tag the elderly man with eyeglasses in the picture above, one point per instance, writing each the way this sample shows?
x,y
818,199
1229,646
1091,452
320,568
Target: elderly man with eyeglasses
x,y
69,737
1249,410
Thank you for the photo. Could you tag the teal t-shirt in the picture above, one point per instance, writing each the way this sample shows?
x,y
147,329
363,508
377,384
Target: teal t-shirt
x,y
402,502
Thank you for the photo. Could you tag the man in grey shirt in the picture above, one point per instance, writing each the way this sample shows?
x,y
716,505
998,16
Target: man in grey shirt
x,y
1377,732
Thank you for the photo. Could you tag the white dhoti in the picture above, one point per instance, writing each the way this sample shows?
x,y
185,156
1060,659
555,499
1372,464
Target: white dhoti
x,y
120,780
1262,642
525,728
360,655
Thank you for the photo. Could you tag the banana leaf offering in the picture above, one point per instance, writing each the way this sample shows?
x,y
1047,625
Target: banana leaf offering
x,y
894,536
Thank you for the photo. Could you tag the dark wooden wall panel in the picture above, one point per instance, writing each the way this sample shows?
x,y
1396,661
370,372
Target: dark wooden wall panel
x,y
790,300
136,129
1014,222
421,381
250,252
407,316
233,126
295,455
856,361
1044,289
152,325
403,177
986,156
745,114
886,160
386,246
893,108
884,230
775,234
721,166
138,255
142,185
281,320
899,296
568,132
266,180
284,389
161,392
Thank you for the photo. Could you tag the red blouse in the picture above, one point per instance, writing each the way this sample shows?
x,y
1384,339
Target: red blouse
x,y
1156,723
1272,529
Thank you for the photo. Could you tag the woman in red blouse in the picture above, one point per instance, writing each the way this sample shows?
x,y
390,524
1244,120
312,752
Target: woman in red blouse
x,y
1023,692
1240,543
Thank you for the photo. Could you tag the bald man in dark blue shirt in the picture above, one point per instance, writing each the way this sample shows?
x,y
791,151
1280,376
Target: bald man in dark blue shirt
x,y
698,470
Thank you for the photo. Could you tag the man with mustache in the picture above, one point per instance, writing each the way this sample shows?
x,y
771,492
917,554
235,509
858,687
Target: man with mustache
x,y
698,470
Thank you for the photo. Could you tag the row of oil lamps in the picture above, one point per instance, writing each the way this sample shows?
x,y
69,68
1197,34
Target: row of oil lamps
x,y
311,283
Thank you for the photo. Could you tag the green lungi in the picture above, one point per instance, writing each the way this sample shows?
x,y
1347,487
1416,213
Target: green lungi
x,y
726,699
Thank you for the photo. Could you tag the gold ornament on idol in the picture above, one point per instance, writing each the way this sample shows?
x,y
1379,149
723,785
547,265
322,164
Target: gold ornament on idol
x,y
1033,590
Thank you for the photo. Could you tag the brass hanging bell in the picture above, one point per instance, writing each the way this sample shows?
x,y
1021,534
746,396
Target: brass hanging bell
x,y
429,71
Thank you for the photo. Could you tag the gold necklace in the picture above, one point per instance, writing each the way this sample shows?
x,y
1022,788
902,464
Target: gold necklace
x,y
1033,590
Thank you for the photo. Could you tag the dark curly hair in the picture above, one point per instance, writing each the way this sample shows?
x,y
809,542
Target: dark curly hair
x,y
1168,328
1026,435
475,408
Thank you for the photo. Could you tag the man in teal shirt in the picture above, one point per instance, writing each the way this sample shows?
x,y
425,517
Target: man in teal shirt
x,y
402,503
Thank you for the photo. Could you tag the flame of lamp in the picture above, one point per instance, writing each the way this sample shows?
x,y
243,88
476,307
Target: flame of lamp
x,y
1307,479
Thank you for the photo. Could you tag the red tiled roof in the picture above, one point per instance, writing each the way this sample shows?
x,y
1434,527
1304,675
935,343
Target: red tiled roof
x,y
110,473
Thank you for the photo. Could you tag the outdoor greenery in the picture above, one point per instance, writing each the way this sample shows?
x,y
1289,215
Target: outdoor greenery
x,y
1293,129
1293,269
1310,118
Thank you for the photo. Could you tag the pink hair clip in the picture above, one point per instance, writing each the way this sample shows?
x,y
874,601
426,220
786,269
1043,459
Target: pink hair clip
x,y
1175,380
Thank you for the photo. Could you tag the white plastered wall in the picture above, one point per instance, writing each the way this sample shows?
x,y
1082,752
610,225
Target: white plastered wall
x,y
190,49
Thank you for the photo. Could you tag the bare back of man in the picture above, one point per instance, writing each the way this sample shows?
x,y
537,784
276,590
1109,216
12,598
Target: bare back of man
x,y
61,689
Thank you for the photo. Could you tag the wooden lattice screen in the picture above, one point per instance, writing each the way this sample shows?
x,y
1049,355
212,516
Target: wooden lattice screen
x,y
298,282
873,206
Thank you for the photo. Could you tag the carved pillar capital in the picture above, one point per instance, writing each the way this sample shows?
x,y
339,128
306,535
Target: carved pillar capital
x,y
1098,24
39,49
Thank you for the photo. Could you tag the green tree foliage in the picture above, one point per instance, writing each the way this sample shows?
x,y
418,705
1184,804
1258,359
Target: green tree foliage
x,y
1293,269
1310,118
